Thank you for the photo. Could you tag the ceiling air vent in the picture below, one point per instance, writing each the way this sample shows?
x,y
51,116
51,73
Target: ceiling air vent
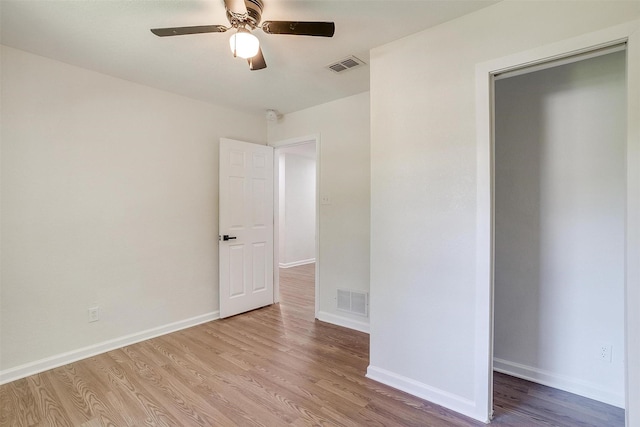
x,y
345,64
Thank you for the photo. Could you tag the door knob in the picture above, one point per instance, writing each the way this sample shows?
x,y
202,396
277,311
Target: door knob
x,y
226,237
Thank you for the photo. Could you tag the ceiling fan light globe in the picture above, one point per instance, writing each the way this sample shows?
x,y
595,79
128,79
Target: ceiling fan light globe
x,y
244,44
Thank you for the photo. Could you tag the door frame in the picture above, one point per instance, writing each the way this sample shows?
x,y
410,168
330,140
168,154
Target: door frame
x,y
628,33
278,146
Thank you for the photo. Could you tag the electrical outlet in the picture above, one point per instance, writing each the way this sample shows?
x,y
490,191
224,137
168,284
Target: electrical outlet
x,y
604,352
94,314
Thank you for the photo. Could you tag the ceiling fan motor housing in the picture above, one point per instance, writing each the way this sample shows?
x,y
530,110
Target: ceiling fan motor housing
x,y
252,18
254,11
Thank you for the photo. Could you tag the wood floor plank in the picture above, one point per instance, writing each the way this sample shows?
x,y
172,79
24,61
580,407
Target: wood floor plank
x,y
71,399
270,367
118,400
185,405
19,405
125,381
47,401
95,394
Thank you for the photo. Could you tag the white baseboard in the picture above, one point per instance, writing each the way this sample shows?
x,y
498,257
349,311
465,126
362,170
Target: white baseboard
x,y
443,398
42,365
572,385
345,322
297,263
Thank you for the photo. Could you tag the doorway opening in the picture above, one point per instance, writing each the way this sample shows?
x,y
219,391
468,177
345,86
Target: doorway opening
x,y
559,234
296,218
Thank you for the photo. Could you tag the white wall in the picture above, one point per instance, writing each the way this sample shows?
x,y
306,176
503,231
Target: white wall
x,y
343,126
109,197
423,190
298,218
559,226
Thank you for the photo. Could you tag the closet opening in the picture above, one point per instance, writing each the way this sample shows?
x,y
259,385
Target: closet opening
x,y
559,211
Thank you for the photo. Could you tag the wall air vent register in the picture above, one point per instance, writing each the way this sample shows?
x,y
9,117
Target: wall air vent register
x,y
353,302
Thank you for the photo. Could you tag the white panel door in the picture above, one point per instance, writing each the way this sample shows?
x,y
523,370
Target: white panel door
x,y
246,226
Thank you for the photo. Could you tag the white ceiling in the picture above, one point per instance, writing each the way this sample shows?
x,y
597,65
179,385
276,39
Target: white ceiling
x,y
113,37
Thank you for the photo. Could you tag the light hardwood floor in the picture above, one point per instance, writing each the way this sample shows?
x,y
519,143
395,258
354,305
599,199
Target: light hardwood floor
x,y
275,366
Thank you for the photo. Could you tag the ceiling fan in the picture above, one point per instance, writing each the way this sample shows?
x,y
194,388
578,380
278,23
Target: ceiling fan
x,y
244,16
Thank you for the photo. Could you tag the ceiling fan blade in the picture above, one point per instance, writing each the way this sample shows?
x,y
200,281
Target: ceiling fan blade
x,y
257,62
319,29
180,31
236,6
